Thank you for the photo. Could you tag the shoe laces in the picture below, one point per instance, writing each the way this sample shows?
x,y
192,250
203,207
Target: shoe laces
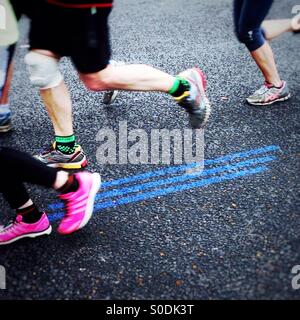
x,y
47,150
263,89
9,225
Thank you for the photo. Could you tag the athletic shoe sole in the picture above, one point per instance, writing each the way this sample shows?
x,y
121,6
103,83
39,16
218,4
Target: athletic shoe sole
x,y
201,84
271,102
7,128
69,166
29,235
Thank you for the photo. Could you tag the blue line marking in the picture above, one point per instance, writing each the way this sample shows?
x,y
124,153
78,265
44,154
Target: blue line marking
x,y
177,179
55,216
177,188
176,169
188,166
173,189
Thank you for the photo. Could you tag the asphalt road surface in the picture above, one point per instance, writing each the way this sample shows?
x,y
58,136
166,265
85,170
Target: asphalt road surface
x,y
230,233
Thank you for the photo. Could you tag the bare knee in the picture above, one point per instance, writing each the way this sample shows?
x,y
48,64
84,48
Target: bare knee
x,y
98,81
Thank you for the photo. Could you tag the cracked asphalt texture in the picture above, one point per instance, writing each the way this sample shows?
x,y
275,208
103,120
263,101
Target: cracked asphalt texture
x,y
234,240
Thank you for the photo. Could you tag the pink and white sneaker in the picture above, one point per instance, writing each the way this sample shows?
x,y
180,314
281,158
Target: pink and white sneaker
x,y
80,204
268,94
18,230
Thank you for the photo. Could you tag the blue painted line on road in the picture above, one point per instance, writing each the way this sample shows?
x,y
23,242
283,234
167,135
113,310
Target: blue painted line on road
x,y
173,189
56,216
177,169
179,188
177,179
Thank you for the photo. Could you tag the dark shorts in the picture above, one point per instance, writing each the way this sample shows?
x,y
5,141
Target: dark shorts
x,y
76,33
27,7
248,17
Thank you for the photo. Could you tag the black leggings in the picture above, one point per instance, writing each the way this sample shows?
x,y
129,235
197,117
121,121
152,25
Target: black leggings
x,y
248,17
16,168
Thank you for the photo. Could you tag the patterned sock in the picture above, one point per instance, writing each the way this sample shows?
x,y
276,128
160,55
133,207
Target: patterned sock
x,y
180,86
65,145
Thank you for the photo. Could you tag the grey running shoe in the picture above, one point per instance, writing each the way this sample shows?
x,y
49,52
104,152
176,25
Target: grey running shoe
x,y
195,101
110,96
5,122
268,94
56,159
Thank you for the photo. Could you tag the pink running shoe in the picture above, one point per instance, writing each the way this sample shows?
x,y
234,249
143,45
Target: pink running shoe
x,y
18,230
79,204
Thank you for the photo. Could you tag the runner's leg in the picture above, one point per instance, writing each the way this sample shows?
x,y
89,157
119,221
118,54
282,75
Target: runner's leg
x,y
45,42
249,15
77,190
6,73
275,28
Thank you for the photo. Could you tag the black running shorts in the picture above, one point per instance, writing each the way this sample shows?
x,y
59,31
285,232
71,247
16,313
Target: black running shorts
x,y
24,7
81,34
